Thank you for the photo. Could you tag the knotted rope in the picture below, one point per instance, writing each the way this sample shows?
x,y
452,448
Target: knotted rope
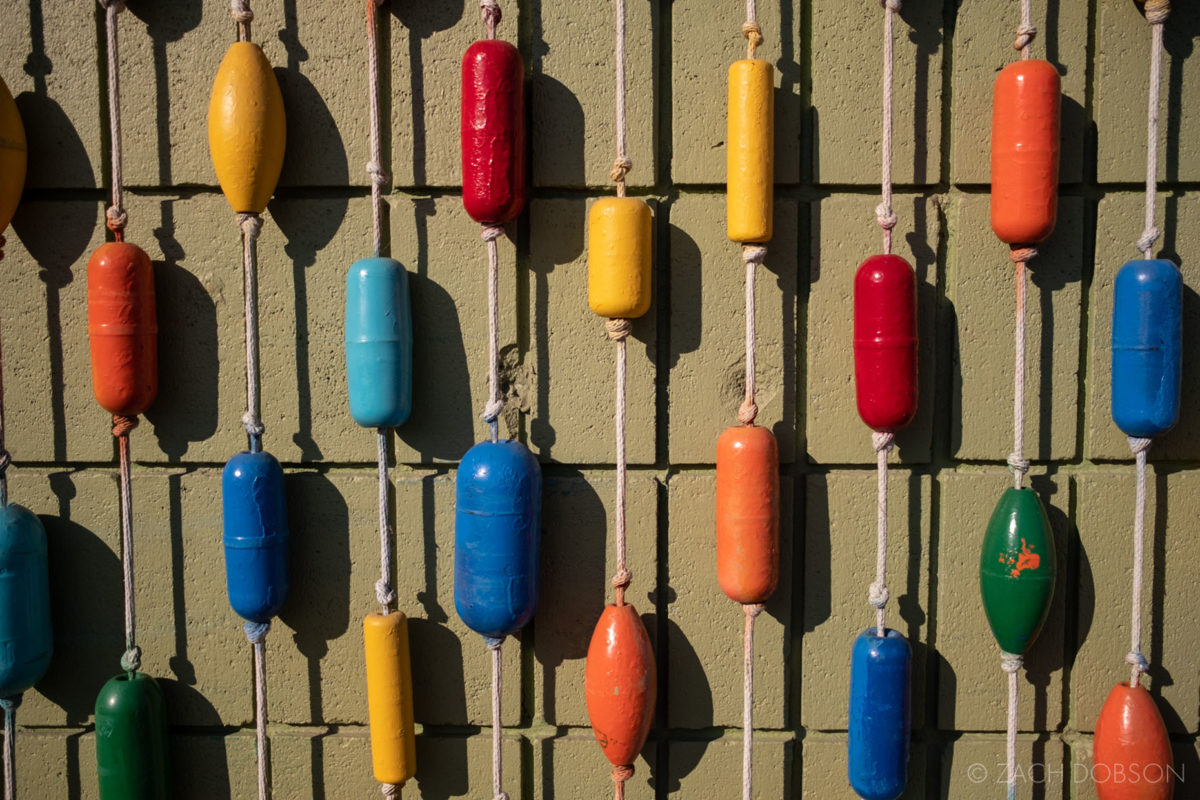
x,y
379,177
750,29
753,255
251,225
497,684
5,457
9,704
256,634
243,16
1134,657
115,217
1011,664
1026,30
1017,462
622,165
877,594
884,214
385,593
751,611
1157,12
495,404
618,330
131,660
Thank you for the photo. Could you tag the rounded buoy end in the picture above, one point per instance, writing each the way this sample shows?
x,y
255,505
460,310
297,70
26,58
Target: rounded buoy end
x,y
750,152
122,328
492,132
620,684
13,156
131,738
880,707
747,522
885,343
378,341
1131,740
389,697
619,250
26,637
1017,569
1147,347
254,506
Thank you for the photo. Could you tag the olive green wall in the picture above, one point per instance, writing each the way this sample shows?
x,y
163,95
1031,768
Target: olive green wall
x,y
684,387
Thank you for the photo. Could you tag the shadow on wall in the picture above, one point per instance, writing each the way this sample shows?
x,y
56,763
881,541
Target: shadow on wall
x,y
421,20
1179,40
556,122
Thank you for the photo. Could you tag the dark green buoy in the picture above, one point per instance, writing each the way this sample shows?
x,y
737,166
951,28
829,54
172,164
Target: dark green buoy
x,y
131,739
1016,570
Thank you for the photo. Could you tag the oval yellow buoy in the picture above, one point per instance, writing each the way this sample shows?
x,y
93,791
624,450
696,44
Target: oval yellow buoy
x,y
12,156
247,131
389,697
619,257
750,153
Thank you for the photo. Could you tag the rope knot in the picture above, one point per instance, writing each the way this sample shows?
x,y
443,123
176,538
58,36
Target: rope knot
x,y
878,595
618,328
622,578
1017,464
1157,11
5,460
390,790
753,609
256,632
1010,662
489,11
10,703
622,772
492,410
1147,239
379,177
1022,255
251,225
122,425
115,219
620,168
747,412
885,216
493,642
1025,36
385,593
131,659
118,4
240,11
754,254
491,233
1139,445
1134,658
753,34
253,424
890,5
883,440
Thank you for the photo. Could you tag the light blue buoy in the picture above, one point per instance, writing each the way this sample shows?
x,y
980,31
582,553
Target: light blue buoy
x,y
880,675
379,353
1147,345
255,536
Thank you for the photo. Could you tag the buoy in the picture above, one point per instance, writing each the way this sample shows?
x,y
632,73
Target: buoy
x,y
256,535
247,129
26,639
493,132
1026,100
750,151
620,684
122,328
13,154
379,350
131,739
747,513
880,678
1131,751
885,342
1017,569
389,697
497,536
1147,344
619,257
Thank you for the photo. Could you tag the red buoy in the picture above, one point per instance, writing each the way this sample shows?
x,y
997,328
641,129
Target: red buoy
x,y
1131,754
122,328
1026,103
747,513
620,684
493,132
885,342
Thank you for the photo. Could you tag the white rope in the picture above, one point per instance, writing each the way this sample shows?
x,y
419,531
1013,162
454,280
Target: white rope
x,y
1016,459
1150,234
752,611
131,659
751,31
495,405
622,164
623,576
877,594
5,457
1011,664
884,214
256,634
385,593
497,685
115,215
1134,657
243,16
251,225
1026,30
753,255
489,10
10,745
379,177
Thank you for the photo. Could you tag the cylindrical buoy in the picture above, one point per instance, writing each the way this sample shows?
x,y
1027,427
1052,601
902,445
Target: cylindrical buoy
x,y
389,697
131,739
1025,131
247,129
1017,569
620,684
122,328
750,151
492,127
379,353
1147,345
256,535
497,537
1131,751
12,156
26,639
880,676
619,257
885,342
747,513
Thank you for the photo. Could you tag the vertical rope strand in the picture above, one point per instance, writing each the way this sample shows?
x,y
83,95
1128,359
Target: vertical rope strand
x,y
754,255
5,457
877,594
10,746
243,16
116,216
251,225
1134,658
385,593
1150,232
620,511
379,177
622,165
1016,459
131,659
1026,30
752,611
497,686
260,714
491,411
884,214
1011,664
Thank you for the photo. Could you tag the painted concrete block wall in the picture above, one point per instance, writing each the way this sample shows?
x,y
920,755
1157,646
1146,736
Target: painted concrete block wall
x,y
685,383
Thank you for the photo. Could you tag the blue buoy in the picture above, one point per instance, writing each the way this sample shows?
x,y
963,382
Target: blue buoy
x,y
379,355
1147,344
256,535
497,536
26,641
879,715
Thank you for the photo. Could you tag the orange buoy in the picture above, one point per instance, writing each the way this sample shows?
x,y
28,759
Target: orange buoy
x,y
747,513
122,328
1026,102
620,684
12,156
1131,754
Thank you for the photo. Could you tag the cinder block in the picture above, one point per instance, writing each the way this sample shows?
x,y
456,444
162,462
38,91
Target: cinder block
x,y
973,765
846,113
1120,221
578,561
705,627
825,762
1121,84
55,763
983,45
49,65
574,94
573,765
714,769
708,330
569,377
844,235
839,566
707,38
982,293
220,765
972,690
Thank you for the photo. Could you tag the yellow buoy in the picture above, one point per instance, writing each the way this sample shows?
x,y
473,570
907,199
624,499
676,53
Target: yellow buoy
x,y
247,131
750,150
389,697
12,156
619,257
